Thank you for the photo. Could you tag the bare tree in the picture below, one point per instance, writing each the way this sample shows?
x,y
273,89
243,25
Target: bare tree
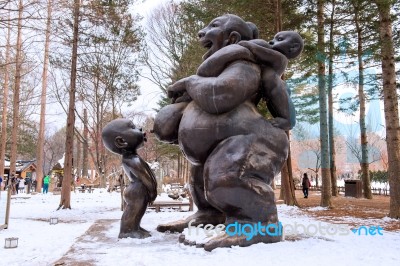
x,y
65,201
43,100
311,144
167,46
85,158
5,101
16,93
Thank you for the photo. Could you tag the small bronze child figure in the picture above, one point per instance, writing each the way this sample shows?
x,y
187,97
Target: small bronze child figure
x,y
120,136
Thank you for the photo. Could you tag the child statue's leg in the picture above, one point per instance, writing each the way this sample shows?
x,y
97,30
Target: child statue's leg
x,y
136,199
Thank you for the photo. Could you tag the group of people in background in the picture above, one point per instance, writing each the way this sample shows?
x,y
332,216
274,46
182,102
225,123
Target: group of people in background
x,y
23,185
17,183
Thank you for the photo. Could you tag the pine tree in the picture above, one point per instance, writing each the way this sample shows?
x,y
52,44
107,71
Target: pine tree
x,y
326,192
390,104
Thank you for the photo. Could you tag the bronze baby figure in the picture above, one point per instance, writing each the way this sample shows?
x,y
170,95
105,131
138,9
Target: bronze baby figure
x,y
120,136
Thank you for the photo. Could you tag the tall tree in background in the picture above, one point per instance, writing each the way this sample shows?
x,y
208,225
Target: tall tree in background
x,y
362,100
85,158
109,39
326,191
390,101
172,52
43,100
332,158
168,52
16,92
3,139
78,162
287,183
65,201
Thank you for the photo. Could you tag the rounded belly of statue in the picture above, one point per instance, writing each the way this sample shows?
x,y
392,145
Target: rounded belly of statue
x,y
200,132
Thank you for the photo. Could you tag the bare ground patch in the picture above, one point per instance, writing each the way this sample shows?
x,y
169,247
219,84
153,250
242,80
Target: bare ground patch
x,y
348,210
96,233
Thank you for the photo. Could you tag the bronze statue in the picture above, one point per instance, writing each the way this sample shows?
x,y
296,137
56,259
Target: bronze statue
x,y
120,136
235,153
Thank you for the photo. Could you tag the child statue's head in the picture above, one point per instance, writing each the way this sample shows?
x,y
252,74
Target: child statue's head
x,y
289,43
121,136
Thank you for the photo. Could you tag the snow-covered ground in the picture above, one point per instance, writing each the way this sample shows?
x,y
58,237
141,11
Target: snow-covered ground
x,y
74,238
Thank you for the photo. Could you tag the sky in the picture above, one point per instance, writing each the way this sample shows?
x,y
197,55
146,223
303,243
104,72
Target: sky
x,y
150,93
88,233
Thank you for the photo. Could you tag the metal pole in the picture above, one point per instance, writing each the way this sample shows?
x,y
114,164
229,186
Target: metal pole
x,y
8,207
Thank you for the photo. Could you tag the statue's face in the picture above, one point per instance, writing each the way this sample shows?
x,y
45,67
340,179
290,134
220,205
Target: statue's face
x,y
133,136
214,36
287,43
121,135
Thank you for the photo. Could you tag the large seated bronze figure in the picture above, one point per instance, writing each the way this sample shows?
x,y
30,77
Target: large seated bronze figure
x,y
234,151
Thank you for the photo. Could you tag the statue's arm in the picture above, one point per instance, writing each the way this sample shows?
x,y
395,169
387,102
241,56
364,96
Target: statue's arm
x,y
267,56
215,64
216,95
167,120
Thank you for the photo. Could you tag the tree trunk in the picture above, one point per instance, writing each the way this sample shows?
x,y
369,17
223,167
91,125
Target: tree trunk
x,y
16,94
332,162
282,192
3,139
361,96
65,200
78,160
390,105
85,171
289,191
285,185
287,181
278,16
40,145
326,191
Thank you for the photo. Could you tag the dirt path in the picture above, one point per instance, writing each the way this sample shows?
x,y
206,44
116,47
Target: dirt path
x,y
353,211
76,255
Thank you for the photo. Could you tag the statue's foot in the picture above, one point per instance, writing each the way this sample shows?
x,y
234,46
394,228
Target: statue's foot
x,y
141,233
224,239
213,217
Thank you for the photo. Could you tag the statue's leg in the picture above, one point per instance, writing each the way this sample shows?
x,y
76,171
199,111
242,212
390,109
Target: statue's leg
x,y
136,199
206,213
238,175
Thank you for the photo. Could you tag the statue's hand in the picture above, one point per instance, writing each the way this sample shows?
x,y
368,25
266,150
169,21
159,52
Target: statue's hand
x,y
177,91
246,44
253,46
184,98
281,123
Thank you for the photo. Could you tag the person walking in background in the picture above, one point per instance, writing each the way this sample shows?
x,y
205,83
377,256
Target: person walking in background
x,y
16,182
46,182
306,185
21,186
